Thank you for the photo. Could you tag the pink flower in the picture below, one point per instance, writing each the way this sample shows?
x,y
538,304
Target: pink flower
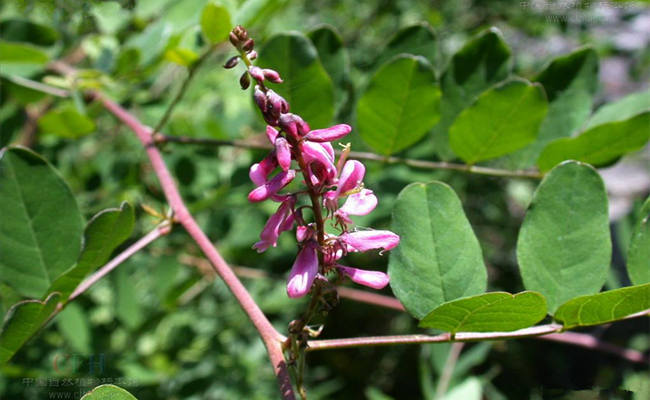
x,y
351,177
283,152
260,171
282,220
373,279
303,272
328,134
369,240
272,75
277,104
271,187
271,133
293,125
321,164
361,203
256,73
260,98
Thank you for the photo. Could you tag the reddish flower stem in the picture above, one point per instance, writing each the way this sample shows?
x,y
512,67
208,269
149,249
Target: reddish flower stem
x,y
271,337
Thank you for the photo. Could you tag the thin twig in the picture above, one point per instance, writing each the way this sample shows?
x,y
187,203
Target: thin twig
x,y
159,231
448,370
421,164
38,86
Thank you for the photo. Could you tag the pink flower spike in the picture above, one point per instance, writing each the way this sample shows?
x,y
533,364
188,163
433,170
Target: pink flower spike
x,y
271,187
374,279
283,152
272,75
278,103
303,272
361,203
351,177
369,240
260,171
271,133
256,73
288,124
328,134
275,225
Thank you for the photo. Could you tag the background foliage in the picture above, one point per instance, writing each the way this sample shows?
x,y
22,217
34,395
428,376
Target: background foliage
x,y
161,326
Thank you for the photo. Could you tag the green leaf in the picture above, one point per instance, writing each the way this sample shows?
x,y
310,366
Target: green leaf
x,y
73,325
418,40
600,145
105,231
181,56
438,259
22,321
306,87
108,392
564,246
488,312
482,62
625,108
66,122
604,307
399,106
252,11
21,53
638,252
570,82
40,235
19,30
502,120
215,23
333,56
127,305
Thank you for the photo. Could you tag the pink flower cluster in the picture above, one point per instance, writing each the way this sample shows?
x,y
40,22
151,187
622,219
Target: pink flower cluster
x,y
328,182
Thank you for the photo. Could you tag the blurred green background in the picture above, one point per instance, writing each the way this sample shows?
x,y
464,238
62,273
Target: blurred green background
x,y
162,326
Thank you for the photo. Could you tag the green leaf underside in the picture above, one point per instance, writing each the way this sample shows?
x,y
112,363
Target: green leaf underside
x,y
638,252
105,231
439,258
418,40
399,106
599,145
66,122
604,307
215,23
488,312
22,321
108,392
307,87
480,63
625,108
502,120
570,82
41,226
564,247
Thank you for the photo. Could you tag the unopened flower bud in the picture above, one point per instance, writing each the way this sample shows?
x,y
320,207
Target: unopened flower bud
x,y
278,104
288,124
272,75
252,55
240,32
244,81
271,134
260,98
256,73
248,45
232,62
234,39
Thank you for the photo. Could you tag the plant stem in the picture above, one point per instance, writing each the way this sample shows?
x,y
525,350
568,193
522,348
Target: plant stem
x,y
420,164
448,370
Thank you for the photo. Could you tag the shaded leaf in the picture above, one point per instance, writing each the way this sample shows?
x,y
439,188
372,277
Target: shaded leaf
x,y
334,57
66,122
73,325
638,252
625,108
399,105
604,307
502,120
108,392
570,82
438,259
564,246
181,56
418,40
481,62
40,236
22,321
307,87
215,23
19,30
488,312
127,306
600,145
104,232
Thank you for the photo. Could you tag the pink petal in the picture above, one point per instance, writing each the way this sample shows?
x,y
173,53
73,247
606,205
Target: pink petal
x,y
303,272
361,203
317,153
256,73
283,152
373,279
271,187
328,134
351,177
271,133
278,103
288,125
260,171
368,240
280,221
260,99
272,75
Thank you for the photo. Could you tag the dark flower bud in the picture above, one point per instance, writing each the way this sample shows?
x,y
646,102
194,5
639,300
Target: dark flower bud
x,y
244,81
248,45
232,62
260,98
277,103
272,75
288,124
252,55
234,39
240,32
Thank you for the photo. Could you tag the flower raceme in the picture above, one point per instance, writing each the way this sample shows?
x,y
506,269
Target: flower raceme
x,y
298,148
